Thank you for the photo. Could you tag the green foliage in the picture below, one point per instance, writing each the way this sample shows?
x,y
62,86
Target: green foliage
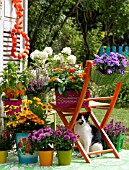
x,y
107,90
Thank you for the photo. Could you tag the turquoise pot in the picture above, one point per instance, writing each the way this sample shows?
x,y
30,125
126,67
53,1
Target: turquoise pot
x,y
23,149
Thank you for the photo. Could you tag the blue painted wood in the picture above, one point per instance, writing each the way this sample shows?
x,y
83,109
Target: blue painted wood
x,y
121,50
101,50
114,49
108,50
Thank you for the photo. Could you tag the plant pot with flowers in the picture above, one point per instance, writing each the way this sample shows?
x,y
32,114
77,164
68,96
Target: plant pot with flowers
x,y
116,132
22,123
6,143
108,69
13,86
43,141
64,141
67,80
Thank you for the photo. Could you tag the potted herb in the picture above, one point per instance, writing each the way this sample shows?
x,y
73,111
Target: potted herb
x,y
43,140
109,69
6,143
64,141
116,132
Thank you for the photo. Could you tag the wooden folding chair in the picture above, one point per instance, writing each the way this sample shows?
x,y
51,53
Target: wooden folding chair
x,y
92,103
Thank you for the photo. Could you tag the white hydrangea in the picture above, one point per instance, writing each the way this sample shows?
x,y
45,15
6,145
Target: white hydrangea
x,y
57,57
71,59
43,55
34,54
66,50
49,50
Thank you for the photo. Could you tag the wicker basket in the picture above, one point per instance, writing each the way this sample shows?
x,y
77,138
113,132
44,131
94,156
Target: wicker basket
x,y
101,79
70,100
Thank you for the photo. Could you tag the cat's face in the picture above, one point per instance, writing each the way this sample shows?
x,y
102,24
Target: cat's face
x,y
82,118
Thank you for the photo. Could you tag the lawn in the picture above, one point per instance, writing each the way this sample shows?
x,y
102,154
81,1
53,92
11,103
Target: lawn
x,y
118,114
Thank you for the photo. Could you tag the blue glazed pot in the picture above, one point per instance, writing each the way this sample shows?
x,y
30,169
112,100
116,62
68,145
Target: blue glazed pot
x,y
23,149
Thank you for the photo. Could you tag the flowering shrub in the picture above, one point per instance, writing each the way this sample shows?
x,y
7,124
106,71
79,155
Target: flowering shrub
x,y
109,64
6,140
44,63
115,130
24,121
65,79
42,139
64,139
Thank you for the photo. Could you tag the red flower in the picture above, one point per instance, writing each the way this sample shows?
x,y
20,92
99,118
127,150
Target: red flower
x,y
71,70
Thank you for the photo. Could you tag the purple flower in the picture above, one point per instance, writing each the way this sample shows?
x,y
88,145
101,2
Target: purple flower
x,y
67,137
34,138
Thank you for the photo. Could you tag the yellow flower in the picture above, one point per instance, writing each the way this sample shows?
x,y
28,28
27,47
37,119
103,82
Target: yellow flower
x,y
37,99
49,107
14,124
22,120
44,106
9,124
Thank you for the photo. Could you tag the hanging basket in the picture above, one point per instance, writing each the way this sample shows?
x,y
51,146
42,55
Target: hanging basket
x,y
70,100
102,79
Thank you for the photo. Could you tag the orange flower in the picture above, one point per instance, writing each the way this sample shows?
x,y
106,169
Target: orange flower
x,y
80,76
71,70
57,70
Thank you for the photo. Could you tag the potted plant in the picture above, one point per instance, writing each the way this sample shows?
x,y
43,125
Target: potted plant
x,y
64,141
109,68
22,123
68,83
43,140
116,132
6,143
13,85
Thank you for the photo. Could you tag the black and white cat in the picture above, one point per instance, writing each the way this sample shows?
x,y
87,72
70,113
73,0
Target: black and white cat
x,y
90,136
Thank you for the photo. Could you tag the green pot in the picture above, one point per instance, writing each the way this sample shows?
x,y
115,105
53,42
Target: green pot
x,y
64,157
3,155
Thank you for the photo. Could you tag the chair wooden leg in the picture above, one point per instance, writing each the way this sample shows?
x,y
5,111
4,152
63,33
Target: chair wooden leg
x,y
83,152
105,136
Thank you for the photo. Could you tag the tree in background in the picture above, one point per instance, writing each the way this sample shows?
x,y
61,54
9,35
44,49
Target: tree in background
x,y
81,24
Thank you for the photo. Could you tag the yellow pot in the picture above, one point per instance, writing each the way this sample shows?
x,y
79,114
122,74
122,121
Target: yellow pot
x,y
3,155
46,157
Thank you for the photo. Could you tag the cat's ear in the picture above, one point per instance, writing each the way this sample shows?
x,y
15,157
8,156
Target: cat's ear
x,y
86,116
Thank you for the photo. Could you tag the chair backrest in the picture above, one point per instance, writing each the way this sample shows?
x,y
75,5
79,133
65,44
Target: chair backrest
x,y
119,49
87,71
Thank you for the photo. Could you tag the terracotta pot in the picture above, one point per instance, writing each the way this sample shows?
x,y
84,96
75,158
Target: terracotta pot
x,y
3,155
46,157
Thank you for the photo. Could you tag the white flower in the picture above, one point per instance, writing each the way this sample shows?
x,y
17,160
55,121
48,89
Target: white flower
x,y
43,55
57,57
66,50
49,50
34,54
71,59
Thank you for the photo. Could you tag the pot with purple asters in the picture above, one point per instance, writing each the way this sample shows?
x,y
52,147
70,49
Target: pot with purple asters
x,y
116,132
109,69
64,141
43,142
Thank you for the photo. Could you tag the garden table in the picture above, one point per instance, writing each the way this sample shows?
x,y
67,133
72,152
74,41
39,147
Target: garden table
x,y
97,103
